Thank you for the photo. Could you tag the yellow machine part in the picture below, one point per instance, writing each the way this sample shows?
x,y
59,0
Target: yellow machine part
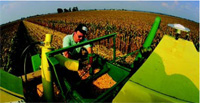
x,y
8,97
46,70
180,57
135,93
70,64
170,74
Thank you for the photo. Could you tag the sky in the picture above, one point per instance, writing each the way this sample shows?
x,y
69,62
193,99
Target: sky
x,y
13,10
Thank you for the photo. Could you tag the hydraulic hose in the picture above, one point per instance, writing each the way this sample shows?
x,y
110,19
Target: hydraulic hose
x,y
25,51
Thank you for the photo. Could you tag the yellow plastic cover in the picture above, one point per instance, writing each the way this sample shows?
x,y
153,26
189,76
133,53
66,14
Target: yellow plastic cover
x,y
70,64
171,73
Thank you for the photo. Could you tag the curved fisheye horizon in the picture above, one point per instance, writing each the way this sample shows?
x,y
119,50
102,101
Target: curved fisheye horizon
x,y
99,51
14,10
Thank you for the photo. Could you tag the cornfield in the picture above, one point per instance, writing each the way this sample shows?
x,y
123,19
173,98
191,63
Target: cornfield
x,y
132,28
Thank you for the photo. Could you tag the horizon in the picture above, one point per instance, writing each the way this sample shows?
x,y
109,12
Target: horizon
x,y
97,10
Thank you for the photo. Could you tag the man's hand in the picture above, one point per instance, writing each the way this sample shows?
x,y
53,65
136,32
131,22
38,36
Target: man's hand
x,y
87,67
89,50
66,54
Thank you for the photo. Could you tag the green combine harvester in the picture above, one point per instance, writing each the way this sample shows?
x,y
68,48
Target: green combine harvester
x,y
169,73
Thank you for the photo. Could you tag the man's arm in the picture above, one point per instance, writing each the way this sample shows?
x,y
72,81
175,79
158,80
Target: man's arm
x,y
66,43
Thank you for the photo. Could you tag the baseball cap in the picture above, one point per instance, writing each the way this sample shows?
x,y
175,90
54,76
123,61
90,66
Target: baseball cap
x,y
82,28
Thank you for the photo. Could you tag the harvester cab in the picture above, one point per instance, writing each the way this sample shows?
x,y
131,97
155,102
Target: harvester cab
x,y
169,73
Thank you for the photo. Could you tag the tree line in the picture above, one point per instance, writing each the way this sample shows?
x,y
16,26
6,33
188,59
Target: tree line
x,y
60,10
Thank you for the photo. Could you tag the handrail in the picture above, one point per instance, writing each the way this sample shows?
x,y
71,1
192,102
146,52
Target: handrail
x,y
52,53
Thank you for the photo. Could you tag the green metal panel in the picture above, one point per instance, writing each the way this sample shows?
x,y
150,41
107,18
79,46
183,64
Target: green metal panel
x,y
10,84
171,70
36,62
118,74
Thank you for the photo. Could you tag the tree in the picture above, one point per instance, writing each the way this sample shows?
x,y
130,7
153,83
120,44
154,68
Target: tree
x,y
65,10
70,9
60,10
75,9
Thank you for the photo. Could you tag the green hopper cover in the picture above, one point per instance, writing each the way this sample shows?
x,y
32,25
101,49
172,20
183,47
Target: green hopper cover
x,y
170,74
